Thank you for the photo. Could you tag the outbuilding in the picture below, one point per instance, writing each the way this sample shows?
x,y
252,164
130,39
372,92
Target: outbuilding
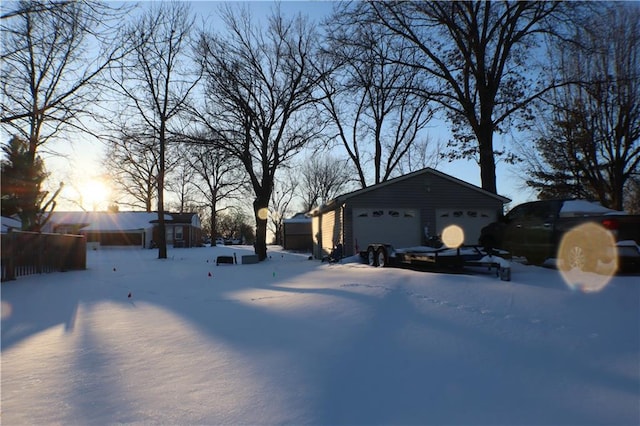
x,y
296,233
404,212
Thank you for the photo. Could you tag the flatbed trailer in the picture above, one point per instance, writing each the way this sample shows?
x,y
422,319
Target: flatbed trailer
x,y
381,255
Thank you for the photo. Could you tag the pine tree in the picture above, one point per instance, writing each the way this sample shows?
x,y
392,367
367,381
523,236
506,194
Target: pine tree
x,y
22,178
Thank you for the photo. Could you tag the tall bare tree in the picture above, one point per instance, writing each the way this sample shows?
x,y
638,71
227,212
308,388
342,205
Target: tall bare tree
x,y
322,178
157,81
131,162
260,98
179,181
589,144
50,68
479,54
372,101
219,179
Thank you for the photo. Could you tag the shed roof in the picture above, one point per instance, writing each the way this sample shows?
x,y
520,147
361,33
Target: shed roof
x,y
331,205
298,218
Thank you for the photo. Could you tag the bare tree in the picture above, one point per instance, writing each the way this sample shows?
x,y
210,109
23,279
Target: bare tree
x,y
589,146
479,54
131,161
372,101
322,178
49,80
260,98
157,81
218,180
283,194
180,181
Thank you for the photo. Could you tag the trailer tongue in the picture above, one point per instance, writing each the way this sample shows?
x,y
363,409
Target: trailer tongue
x,y
445,258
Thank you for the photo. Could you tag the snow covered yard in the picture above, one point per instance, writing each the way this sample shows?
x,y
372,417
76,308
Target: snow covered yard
x,y
294,341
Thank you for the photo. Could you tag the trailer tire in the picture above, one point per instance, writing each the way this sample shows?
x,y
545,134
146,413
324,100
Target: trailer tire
x,y
371,257
381,257
574,255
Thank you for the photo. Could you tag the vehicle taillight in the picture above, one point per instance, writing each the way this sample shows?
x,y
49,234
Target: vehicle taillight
x,y
610,224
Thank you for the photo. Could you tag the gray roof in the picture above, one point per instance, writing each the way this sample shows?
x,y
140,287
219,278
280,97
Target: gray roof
x,y
333,204
105,221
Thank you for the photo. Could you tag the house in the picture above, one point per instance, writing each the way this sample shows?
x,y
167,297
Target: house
x,y
182,229
297,233
403,212
125,228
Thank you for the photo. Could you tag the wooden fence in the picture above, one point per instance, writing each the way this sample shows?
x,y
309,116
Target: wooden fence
x,y
26,253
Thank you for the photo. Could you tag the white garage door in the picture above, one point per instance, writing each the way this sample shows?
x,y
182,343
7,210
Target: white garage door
x,y
470,220
399,227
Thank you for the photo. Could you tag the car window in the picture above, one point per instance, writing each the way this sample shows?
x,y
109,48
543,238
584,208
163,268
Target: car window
x,y
517,212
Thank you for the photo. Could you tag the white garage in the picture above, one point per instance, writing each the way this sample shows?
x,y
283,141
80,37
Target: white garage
x,y
399,227
470,220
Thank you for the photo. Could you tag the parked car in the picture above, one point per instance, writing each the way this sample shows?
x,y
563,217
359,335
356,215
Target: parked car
x,y
219,241
540,230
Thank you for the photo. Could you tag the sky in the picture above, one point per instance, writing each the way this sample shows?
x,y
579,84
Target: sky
x,y
297,341
79,160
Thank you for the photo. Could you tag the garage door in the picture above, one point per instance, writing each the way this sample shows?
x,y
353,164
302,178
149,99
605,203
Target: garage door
x,y
470,220
399,227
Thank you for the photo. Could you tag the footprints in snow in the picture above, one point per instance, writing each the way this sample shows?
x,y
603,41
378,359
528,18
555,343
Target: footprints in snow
x,y
488,313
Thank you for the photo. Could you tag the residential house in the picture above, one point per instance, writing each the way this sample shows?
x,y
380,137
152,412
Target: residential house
x,y
126,228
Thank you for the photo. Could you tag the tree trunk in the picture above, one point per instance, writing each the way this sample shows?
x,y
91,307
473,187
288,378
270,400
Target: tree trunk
x,y
260,207
487,159
214,224
162,243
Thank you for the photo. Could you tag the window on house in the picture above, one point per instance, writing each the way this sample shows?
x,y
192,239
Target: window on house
x,y
178,233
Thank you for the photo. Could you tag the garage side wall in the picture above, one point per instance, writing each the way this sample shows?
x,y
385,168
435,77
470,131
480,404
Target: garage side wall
x,y
425,193
327,232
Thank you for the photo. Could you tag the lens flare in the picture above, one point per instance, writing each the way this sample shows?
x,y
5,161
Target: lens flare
x,y
6,309
588,257
452,236
263,213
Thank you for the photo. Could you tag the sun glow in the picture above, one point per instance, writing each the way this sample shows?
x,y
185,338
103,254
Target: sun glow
x,y
94,194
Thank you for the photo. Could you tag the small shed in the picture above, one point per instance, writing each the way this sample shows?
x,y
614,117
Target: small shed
x,y
296,233
403,212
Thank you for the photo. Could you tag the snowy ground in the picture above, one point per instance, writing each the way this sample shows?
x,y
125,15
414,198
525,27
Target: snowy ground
x,y
294,341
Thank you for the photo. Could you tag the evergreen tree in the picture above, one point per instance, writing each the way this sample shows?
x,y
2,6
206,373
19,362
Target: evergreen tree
x,y
22,180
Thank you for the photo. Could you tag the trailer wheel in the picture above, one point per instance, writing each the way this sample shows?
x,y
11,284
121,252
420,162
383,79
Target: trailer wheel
x,y
381,257
575,256
371,257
